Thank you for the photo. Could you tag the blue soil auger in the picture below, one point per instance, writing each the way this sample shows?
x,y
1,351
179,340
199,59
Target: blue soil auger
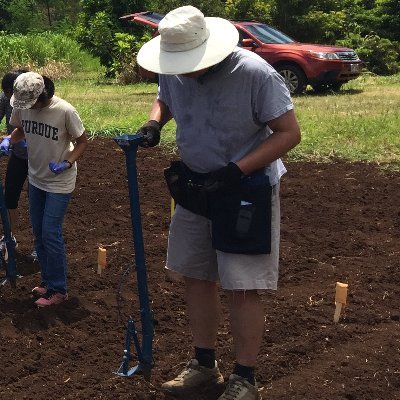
x,y
7,257
144,350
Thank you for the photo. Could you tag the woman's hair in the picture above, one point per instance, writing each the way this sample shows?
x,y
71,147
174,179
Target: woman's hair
x,y
48,91
8,79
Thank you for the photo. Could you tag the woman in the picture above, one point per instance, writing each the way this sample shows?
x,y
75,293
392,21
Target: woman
x,y
50,125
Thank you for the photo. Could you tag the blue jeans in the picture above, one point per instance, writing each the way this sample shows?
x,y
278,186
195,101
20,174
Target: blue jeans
x,y
47,212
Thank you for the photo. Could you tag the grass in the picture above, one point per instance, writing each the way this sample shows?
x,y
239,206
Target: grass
x,y
360,123
108,108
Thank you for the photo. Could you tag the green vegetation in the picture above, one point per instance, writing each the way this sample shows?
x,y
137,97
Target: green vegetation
x,y
359,123
108,108
371,27
40,50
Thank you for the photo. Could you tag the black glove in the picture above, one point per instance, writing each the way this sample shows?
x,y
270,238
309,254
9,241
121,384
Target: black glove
x,y
224,178
151,133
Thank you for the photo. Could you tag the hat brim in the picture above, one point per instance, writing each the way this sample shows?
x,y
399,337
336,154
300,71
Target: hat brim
x,y
223,39
22,105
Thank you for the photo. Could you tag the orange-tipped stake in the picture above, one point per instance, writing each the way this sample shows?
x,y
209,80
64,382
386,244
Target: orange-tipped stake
x,y
340,299
101,260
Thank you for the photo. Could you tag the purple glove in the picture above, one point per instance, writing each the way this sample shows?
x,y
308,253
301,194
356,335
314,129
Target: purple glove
x,y
57,168
5,146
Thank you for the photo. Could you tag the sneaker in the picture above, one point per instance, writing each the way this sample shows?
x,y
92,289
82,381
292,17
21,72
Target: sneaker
x,y
39,290
192,376
240,388
50,298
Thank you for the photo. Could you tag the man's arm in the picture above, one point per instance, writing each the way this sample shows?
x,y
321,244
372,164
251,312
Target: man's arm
x,y
151,130
285,136
160,112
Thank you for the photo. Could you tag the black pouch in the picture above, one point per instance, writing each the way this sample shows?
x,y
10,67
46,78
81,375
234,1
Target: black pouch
x,y
185,187
241,219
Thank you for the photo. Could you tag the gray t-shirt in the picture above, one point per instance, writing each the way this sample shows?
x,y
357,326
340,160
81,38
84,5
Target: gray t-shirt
x,y
49,132
222,116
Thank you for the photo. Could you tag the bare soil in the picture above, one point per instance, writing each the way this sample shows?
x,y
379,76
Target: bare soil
x,y
340,222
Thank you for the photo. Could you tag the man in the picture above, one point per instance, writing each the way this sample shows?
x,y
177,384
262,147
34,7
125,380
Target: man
x,y
234,120
17,166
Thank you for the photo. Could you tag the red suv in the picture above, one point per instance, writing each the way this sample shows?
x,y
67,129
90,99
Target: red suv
x,y
324,67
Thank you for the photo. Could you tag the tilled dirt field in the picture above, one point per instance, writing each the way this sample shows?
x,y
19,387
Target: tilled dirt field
x,y
340,222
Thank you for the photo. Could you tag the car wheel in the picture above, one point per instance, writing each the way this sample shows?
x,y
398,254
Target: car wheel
x,y
323,88
294,78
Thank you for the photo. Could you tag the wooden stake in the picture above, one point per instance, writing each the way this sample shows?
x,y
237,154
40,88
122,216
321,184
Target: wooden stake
x,y
101,260
340,299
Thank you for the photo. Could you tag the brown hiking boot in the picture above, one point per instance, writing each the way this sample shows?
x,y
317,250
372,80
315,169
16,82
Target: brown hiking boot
x,y
240,389
192,376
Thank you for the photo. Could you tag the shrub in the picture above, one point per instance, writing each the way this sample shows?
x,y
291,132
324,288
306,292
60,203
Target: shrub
x,y
124,54
59,53
380,55
97,38
319,26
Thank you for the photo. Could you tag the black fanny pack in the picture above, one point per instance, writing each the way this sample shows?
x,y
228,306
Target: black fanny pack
x,y
240,217
186,188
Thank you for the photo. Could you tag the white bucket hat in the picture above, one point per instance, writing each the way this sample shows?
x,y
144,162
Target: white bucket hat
x,y
188,42
27,89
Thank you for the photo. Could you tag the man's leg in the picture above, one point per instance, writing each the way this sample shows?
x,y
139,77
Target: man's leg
x,y
16,173
191,257
13,215
203,306
247,324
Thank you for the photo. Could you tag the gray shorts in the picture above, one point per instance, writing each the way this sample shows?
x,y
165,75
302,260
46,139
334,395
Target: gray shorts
x,y
190,253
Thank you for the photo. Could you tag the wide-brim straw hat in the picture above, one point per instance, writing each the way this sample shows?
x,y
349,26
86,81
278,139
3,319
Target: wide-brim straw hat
x,y
188,42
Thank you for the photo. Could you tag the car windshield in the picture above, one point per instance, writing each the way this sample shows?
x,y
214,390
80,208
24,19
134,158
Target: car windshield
x,y
152,16
266,34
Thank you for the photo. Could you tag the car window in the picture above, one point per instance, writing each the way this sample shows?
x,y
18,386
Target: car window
x,y
152,16
266,34
243,35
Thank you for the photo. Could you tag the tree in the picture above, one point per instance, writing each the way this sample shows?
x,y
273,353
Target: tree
x,y
210,8
389,19
5,15
256,10
100,27
18,11
43,15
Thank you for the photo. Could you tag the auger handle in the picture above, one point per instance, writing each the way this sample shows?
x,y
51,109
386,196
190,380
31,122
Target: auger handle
x,y
130,143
